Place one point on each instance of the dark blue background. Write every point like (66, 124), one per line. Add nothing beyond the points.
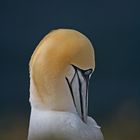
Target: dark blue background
(114, 29)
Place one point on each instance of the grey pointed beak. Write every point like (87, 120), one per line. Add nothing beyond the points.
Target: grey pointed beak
(78, 86)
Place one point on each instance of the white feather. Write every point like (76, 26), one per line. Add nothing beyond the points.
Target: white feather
(54, 125)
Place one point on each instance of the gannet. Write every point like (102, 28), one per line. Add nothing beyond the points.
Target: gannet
(60, 69)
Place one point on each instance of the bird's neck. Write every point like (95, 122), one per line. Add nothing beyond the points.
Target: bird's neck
(58, 98)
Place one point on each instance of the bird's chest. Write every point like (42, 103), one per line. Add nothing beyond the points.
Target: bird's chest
(58, 126)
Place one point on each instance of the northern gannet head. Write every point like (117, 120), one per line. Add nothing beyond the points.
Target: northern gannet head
(60, 68)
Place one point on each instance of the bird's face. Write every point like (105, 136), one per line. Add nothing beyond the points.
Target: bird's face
(78, 82)
(60, 69)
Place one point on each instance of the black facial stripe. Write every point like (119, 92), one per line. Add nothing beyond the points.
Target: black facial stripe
(73, 76)
(71, 91)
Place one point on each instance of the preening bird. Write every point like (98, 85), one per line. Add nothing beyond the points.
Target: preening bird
(60, 69)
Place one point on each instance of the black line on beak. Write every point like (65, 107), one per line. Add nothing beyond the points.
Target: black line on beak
(80, 92)
(71, 91)
(81, 99)
(86, 75)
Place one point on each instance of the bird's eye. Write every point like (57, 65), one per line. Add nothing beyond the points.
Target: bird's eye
(88, 72)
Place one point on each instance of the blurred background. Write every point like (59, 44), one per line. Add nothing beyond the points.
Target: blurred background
(114, 29)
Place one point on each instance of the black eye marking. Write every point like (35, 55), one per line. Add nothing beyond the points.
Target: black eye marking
(86, 73)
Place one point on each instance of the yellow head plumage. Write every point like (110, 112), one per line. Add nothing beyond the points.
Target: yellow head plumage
(52, 58)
